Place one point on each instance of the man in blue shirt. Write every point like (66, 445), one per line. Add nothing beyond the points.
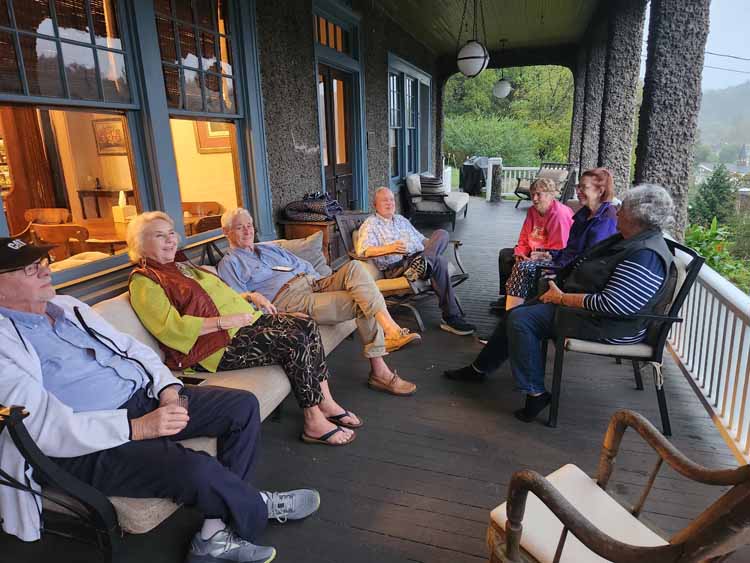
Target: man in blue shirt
(106, 410)
(290, 284)
(390, 238)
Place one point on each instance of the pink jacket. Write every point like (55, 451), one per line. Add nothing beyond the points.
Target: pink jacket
(549, 231)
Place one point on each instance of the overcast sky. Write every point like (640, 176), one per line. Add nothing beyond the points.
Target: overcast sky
(728, 35)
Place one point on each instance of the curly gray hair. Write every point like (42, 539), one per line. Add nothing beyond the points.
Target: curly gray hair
(650, 205)
(137, 230)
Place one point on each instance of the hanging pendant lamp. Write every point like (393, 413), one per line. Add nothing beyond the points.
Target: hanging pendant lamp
(502, 87)
(473, 57)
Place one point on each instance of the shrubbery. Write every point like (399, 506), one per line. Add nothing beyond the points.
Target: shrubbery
(487, 136)
(716, 197)
(715, 244)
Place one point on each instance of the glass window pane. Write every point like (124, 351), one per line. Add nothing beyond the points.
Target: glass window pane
(213, 95)
(163, 7)
(167, 47)
(184, 10)
(4, 15)
(10, 80)
(207, 161)
(229, 104)
(222, 16)
(208, 51)
(203, 10)
(393, 151)
(72, 20)
(188, 47)
(172, 85)
(79, 186)
(193, 98)
(339, 121)
(114, 77)
(424, 126)
(106, 29)
(80, 71)
(34, 15)
(226, 55)
(40, 62)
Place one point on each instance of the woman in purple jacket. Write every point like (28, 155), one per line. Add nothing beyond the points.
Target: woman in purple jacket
(593, 222)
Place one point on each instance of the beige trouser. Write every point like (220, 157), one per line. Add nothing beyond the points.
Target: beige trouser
(349, 293)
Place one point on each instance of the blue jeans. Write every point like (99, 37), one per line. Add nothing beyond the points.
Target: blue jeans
(519, 336)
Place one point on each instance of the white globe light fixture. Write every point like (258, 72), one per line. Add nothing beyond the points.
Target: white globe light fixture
(473, 57)
(502, 88)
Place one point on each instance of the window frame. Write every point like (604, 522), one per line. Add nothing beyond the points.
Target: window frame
(408, 72)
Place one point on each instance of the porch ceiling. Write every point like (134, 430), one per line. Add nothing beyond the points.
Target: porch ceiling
(523, 23)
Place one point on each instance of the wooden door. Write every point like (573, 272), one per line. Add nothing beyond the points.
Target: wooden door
(335, 116)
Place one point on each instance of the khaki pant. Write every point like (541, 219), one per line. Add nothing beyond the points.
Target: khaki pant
(349, 293)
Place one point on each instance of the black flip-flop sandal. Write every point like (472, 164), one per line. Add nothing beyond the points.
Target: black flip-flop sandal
(324, 438)
(338, 420)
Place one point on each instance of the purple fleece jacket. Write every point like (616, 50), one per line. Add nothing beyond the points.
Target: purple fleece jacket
(586, 233)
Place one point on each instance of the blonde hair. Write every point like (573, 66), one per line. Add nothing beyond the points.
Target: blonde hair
(227, 219)
(136, 229)
(544, 185)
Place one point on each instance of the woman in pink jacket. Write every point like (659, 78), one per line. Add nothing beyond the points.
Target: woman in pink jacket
(546, 227)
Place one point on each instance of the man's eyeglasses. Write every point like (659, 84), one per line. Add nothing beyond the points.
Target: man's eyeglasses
(31, 269)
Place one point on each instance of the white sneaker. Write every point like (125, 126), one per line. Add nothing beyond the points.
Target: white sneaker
(224, 546)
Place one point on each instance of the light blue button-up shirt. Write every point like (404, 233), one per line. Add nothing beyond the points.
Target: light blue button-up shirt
(79, 370)
(252, 270)
(379, 231)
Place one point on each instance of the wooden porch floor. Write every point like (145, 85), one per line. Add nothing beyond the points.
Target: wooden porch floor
(420, 480)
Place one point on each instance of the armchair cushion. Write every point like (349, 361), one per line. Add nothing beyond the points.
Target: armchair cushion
(310, 249)
(413, 185)
(542, 529)
(602, 349)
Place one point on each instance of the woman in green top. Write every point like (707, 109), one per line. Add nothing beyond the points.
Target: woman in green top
(202, 323)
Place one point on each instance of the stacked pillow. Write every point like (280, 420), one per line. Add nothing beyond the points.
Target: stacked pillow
(431, 185)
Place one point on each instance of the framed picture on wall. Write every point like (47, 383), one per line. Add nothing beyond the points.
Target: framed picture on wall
(110, 136)
(213, 136)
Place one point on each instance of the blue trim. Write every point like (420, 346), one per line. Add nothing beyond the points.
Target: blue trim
(44, 101)
(254, 135)
(398, 64)
(99, 267)
(158, 134)
(337, 13)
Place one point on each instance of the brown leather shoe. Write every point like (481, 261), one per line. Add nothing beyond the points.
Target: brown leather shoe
(406, 337)
(395, 386)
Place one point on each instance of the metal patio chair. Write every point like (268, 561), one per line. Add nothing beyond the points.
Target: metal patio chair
(571, 518)
(650, 351)
(398, 292)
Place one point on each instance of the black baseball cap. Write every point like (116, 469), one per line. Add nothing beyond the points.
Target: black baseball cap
(15, 253)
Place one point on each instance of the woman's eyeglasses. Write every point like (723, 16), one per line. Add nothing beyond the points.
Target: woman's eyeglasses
(31, 269)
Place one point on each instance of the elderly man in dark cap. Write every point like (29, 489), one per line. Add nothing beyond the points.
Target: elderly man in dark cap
(105, 408)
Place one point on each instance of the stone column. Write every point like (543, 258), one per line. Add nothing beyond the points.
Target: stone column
(620, 87)
(594, 93)
(576, 126)
(671, 98)
(439, 120)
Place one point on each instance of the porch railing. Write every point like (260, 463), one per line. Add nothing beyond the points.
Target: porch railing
(712, 348)
(511, 175)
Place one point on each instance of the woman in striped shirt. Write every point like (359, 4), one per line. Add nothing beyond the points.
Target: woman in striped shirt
(623, 275)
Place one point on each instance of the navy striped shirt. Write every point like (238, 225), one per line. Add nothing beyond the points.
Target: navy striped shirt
(633, 283)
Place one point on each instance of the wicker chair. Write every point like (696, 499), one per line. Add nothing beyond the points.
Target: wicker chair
(570, 518)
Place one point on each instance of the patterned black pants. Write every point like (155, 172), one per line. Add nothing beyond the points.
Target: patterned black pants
(286, 340)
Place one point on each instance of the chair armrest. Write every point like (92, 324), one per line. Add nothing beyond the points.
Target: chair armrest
(523, 482)
(562, 310)
(100, 509)
(624, 419)
(433, 197)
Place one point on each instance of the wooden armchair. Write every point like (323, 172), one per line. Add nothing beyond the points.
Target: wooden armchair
(570, 518)
(398, 292)
(201, 208)
(563, 173)
(207, 223)
(650, 351)
(69, 238)
(47, 215)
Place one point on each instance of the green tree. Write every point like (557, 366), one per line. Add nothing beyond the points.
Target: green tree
(467, 136)
(703, 153)
(729, 153)
(715, 199)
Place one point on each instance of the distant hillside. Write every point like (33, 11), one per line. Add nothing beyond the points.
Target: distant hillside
(725, 115)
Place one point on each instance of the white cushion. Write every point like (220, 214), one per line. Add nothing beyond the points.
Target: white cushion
(118, 312)
(457, 201)
(542, 529)
(602, 349)
(413, 184)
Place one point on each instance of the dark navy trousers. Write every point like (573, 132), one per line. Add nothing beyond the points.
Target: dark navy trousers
(218, 487)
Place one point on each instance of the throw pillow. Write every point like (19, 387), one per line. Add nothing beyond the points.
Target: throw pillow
(310, 249)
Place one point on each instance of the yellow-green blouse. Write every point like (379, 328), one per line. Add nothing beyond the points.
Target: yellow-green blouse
(180, 332)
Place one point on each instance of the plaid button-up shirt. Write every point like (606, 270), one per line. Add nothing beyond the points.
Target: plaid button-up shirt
(379, 231)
